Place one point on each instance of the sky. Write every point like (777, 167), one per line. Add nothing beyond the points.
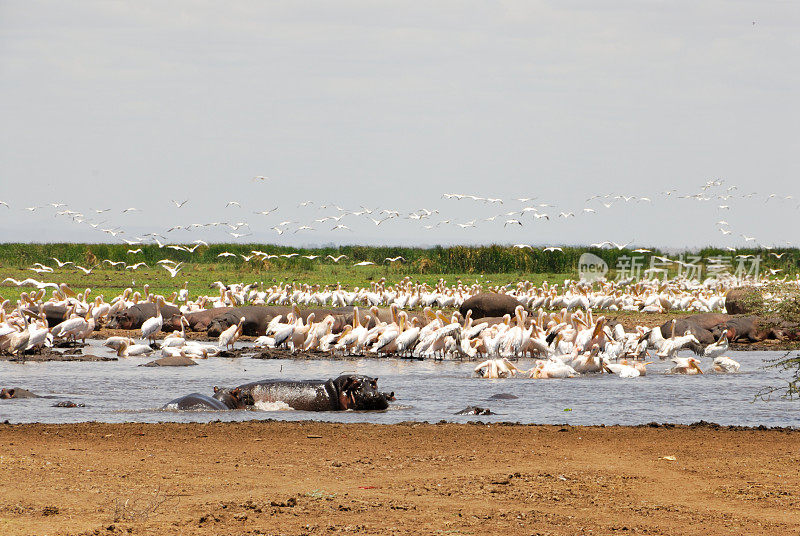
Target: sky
(389, 106)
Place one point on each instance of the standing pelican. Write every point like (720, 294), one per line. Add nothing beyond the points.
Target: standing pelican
(19, 341)
(229, 336)
(151, 326)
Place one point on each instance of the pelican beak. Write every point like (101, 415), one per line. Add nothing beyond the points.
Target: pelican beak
(68, 291)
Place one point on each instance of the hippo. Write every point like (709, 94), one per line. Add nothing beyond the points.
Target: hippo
(255, 317)
(475, 410)
(490, 304)
(349, 391)
(171, 361)
(68, 404)
(743, 300)
(223, 399)
(755, 329)
(503, 396)
(198, 320)
(16, 393)
(134, 316)
(55, 314)
(706, 327)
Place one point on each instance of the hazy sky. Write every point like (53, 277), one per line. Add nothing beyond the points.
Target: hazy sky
(390, 105)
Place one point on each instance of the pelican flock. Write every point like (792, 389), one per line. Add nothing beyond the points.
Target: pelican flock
(557, 325)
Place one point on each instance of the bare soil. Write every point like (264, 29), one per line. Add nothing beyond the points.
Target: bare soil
(297, 478)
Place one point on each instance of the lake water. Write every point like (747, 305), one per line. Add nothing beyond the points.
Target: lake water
(121, 391)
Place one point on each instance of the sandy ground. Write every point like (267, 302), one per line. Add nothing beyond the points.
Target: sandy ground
(321, 478)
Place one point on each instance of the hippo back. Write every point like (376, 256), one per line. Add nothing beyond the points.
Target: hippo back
(304, 395)
(490, 304)
(195, 402)
(134, 316)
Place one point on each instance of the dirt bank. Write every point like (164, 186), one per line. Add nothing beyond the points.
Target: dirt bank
(317, 478)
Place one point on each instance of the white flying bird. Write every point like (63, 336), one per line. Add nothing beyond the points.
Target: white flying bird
(172, 271)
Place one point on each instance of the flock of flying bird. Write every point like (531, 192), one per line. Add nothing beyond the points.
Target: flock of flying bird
(300, 218)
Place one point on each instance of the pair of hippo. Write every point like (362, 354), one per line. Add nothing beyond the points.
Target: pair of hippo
(349, 391)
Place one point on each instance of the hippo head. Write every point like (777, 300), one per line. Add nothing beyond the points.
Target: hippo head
(16, 393)
(233, 398)
(121, 320)
(173, 324)
(218, 325)
(361, 392)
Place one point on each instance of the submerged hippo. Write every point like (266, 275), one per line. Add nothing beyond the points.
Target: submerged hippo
(16, 393)
(349, 391)
(134, 316)
(223, 399)
(475, 410)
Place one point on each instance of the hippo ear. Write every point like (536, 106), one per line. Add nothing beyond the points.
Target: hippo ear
(351, 383)
(216, 389)
(11, 393)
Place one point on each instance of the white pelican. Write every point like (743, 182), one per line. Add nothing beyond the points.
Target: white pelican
(552, 369)
(725, 365)
(40, 336)
(18, 341)
(624, 370)
(151, 326)
(127, 350)
(671, 346)
(71, 327)
(497, 368)
(116, 342)
(718, 348)
(229, 336)
(172, 271)
(176, 338)
(685, 365)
